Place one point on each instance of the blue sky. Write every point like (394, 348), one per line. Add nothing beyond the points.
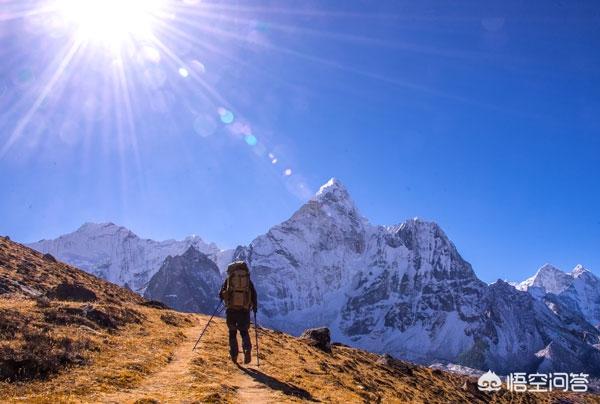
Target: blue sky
(482, 117)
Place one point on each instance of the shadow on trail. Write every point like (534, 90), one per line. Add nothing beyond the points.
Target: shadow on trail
(271, 382)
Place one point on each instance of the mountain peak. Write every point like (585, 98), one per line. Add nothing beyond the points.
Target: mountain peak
(549, 278)
(91, 227)
(578, 271)
(333, 186)
(334, 194)
(191, 251)
(419, 225)
(549, 269)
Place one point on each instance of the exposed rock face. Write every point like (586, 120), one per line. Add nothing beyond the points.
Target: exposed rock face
(188, 282)
(116, 254)
(318, 337)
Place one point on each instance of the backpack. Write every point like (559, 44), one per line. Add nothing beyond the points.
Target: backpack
(237, 291)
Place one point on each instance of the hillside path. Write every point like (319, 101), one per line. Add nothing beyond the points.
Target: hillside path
(171, 382)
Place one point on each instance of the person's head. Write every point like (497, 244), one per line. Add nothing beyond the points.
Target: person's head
(237, 265)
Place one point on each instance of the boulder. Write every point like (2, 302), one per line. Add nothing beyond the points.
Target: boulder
(391, 363)
(318, 337)
(155, 304)
(49, 257)
(99, 317)
(72, 291)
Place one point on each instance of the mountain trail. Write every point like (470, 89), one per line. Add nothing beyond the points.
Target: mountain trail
(251, 391)
(173, 382)
(168, 382)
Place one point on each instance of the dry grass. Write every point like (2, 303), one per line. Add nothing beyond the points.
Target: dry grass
(115, 349)
(296, 371)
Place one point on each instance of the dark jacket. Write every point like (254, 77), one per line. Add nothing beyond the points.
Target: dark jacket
(253, 297)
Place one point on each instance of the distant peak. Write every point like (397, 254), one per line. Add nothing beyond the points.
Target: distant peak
(578, 271)
(418, 223)
(333, 185)
(549, 268)
(95, 226)
(191, 251)
(549, 278)
(501, 284)
(103, 228)
(333, 192)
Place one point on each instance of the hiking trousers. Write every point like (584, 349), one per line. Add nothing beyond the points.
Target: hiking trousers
(238, 320)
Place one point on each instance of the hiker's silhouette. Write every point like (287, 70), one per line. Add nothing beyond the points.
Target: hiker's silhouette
(239, 296)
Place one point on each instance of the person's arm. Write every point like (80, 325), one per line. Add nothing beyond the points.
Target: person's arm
(253, 297)
(222, 291)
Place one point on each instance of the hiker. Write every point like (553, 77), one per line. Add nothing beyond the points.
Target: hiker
(239, 296)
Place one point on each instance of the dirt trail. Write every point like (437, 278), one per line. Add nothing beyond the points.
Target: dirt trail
(171, 383)
(250, 391)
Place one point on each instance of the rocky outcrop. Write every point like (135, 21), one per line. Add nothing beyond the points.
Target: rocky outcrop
(189, 282)
(49, 257)
(72, 291)
(318, 337)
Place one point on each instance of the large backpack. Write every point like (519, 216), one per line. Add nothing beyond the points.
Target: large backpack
(237, 292)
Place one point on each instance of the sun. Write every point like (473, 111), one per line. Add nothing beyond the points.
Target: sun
(112, 22)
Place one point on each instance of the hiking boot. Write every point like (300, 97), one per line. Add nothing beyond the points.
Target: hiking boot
(247, 356)
(233, 357)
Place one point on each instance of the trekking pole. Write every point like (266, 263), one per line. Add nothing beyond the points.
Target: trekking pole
(256, 335)
(207, 324)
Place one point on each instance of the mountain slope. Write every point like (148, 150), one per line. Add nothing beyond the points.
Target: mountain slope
(187, 282)
(146, 353)
(118, 255)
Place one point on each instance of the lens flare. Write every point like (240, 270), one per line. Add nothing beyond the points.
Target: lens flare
(183, 72)
(198, 66)
(111, 21)
(205, 125)
(226, 115)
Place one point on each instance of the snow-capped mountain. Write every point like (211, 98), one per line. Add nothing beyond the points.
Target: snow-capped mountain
(118, 255)
(579, 289)
(403, 290)
(548, 279)
(187, 282)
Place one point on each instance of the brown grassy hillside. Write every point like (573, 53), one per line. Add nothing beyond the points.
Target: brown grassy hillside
(63, 344)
